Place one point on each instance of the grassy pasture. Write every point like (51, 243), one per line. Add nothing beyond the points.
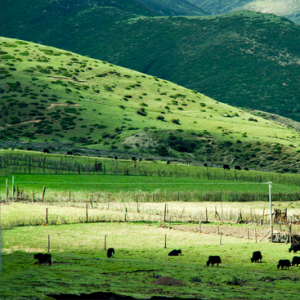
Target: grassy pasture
(29, 214)
(118, 188)
(80, 265)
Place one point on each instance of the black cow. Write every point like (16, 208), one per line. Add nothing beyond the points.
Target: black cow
(246, 169)
(110, 252)
(284, 263)
(133, 158)
(226, 167)
(214, 260)
(174, 252)
(69, 153)
(29, 149)
(295, 248)
(237, 168)
(168, 162)
(256, 256)
(205, 165)
(46, 151)
(296, 261)
(140, 159)
(43, 258)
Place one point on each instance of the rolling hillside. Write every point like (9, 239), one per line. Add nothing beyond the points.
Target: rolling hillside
(289, 9)
(245, 59)
(218, 7)
(175, 8)
(57, 96)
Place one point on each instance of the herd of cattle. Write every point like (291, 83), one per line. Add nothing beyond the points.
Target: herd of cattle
(212, 260)
(225, 167)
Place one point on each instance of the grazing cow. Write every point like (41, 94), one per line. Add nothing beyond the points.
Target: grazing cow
(133, 158)
(46, 151)
(214, 260)
(140, 159)
(168, 162)
(237, 168)
(69, 153)
(284, 263)
(29, 149)
(256, 256)
(295, 248)
(226, 167)
(205, 165)
(110, 252)
(116, 157)
(174, 252)
(43, 258)
(246, 169)
(98, 166)
(296, 261)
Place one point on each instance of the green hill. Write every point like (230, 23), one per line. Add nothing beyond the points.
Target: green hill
(245, 59)
(57, 96)
(289, 9)
(218, 7)
(175, 8)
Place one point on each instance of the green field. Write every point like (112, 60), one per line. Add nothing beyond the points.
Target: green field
(80, 265)
(144, 188)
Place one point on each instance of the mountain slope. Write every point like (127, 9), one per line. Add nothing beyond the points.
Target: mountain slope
(218, 7)
(175, 8)
(246, 59)
(54, 95)
(289, 9)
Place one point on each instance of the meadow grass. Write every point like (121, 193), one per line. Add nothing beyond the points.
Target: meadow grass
(80, 264)
(34, 214)
(86, 187)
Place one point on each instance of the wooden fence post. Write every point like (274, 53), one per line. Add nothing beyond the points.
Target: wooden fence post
(87, 213)
(43, 193)
(6, 194)
(13, 188)
(290, 232)
(47, 221)
(206, 216)
(48, 243)
(169, 222)
(165, 241)
(165, 212)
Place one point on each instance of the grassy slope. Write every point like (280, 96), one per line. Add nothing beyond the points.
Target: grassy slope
(99, 108)
(175, 8)
(80, 265)
(217, 7)
(286, 8)
(238, 59)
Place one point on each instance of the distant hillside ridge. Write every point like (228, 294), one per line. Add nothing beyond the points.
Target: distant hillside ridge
(175, 8)
(54, 97)
(245, 59)
(289, 9)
